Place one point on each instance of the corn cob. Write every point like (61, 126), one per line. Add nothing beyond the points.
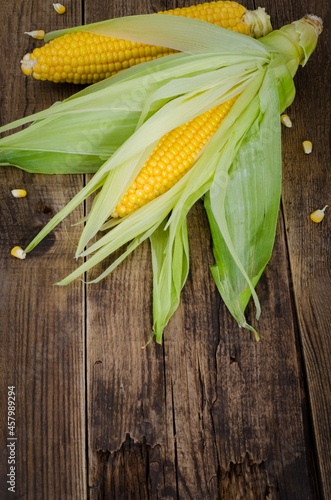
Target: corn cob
(173, 156)
(84, 57)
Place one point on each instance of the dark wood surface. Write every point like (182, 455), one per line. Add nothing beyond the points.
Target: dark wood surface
(209, 413)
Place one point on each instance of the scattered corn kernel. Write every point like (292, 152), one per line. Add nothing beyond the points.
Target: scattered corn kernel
(18, 253)
(38, 35)
(307, 147)
(286, 121)
(60, 9)
(18, 193)
(318, 215)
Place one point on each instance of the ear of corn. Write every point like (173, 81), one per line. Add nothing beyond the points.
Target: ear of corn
(172, 157)
(241, 198)
(79, 134)
(85, 57)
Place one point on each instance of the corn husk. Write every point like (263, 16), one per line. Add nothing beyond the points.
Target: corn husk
(239, 171)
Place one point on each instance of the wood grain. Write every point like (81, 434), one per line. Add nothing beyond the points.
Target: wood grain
(306, 187)
(130, 442)
(234, 399)
(42, 326)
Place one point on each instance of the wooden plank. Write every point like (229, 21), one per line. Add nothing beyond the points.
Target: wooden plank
(130, 442)
(42, 327)
(237, 404)
(305, 188)
(210, 414)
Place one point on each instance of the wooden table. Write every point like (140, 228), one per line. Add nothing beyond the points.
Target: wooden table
(210, 413)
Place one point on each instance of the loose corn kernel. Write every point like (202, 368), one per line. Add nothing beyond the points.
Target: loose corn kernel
(158, 174)
(38, 35)
(18, 252)
(60, 9)
(107, 56)
(318, 215)
(18, 193)
(286, 121)
(307, 147)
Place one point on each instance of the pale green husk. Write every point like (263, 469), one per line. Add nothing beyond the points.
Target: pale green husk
(242, 205)
(239, 170)
(170, 258)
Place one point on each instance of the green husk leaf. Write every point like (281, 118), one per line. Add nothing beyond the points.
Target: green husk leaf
(296, 41)
(95, 183)
(242, 205)
(130, 248)
(184, 34)
(170, 259)
(308, 28)
(133, 226)
(77, 135)
(218, 147)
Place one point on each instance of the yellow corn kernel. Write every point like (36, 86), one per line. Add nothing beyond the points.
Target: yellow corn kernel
(60, 9)
(38, 35)
(286, 121)
(172, 157)
(18, 193)
(216, 13)
(27, 71)
(110, 55)
(307, 147)
(18, 252)
(318, 215)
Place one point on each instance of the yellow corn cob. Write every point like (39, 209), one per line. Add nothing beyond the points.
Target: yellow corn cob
(173, 156)
(84, 57)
